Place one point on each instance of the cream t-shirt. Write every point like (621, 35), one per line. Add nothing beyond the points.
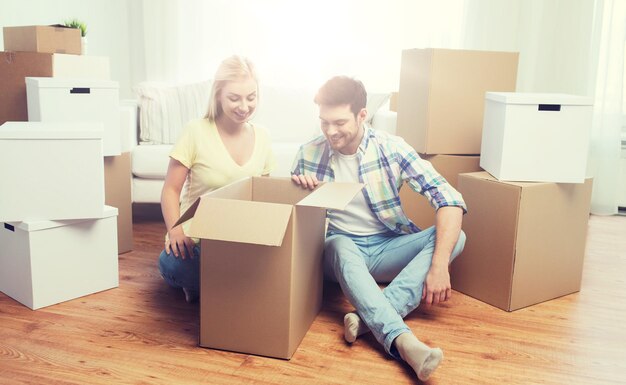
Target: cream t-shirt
(201, 150)
(357, 218)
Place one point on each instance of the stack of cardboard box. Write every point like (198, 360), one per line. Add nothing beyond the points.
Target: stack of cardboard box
(527, 216)
(52, 53)
(440, 111)
(59, 238)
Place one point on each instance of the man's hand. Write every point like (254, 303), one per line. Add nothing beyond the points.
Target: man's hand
(305, 181)
(437, 286)
(178, 243)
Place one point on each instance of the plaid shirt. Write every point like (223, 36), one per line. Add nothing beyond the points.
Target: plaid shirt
(385, 163)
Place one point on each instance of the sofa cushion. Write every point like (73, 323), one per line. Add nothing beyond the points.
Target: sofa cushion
(147, 190)
(150, 161)
(165, 110)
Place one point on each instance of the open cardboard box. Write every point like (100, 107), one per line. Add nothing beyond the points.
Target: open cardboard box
(261, 274)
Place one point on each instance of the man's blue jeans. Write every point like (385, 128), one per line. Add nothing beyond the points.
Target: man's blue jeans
(178, 272)
(359, 262)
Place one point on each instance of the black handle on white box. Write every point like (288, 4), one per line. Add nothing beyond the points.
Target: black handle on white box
(80, 90)
(9, 227)
(549, 107)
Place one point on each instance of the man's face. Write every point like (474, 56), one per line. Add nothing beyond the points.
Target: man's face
(342, 129)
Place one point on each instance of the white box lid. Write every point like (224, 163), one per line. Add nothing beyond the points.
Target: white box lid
(35, 225)
(538, 98)
(51, 130)
(46, 82)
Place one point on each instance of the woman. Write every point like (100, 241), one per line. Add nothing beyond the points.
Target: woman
(211, 152)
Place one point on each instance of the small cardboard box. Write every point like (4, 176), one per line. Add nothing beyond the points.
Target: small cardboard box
(46, 262)
(16, 66)
(51, 171)
(416, 206)
(42, 38)
(261, 276)
(117, 181)
(525, 241)
(556, 127)
(442, 93)
(77, 100)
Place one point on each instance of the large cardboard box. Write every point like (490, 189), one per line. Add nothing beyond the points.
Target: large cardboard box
(51, 171)
(46, 262)
(77, 100)
(42, 38)
(16, 66)
(117, 181)
(261, 262)
(416, 206)
(525, 241)
(536, 137)
(441, 96)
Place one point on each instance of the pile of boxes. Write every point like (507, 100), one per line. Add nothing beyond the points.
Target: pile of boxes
(65, 206)
(527, 214)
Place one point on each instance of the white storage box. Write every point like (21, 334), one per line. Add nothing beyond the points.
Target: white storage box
(51, 171)
(46, 262)
(77, 100)
(81, 66)
(536, 137)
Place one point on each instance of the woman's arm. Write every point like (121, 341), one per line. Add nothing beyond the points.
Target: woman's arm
(179, 243)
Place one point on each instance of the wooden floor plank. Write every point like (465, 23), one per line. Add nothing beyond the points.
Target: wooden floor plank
(144, 333)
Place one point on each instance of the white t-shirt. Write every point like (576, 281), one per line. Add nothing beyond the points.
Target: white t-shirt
(357, 218)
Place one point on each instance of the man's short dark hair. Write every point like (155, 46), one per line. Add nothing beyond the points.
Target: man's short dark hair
(341, 90)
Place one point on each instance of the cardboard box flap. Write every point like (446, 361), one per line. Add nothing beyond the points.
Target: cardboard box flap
(189, 213)
(259, 223)
(335, 195)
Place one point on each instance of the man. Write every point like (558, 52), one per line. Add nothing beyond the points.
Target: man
(373, 241)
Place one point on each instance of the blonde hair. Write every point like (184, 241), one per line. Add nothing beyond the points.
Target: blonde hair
(233, 68)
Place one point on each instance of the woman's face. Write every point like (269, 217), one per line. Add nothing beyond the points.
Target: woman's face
(238, 99)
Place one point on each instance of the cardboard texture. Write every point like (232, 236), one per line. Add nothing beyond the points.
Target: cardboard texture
(393, 102)
(557, 127)
(61, 162)
(261, 262)
(42, 38)
(525, 241)
(77, 100)
(441, 96)
(117, 193)
(416, 206)
(43, 263)
(16, 66)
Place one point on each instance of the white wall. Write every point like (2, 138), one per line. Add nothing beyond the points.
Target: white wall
(107, 27)
(292, 42)
(552, 36)
(296, 42)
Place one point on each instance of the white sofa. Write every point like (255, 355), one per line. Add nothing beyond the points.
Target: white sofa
(160, 113)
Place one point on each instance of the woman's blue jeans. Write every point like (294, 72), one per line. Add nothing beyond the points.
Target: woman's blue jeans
(359, 262)
(178, 272)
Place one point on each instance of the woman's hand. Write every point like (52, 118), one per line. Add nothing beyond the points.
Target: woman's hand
(178, 243)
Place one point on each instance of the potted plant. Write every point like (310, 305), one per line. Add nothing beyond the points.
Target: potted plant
(75, 23)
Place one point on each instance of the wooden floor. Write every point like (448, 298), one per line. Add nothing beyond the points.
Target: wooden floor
(144, 333)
